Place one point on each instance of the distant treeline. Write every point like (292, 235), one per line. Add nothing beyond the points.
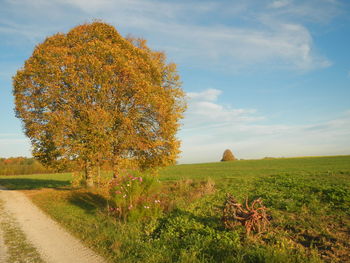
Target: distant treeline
(21, 165)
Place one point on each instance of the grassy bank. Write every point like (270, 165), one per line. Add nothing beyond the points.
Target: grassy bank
(308, 200)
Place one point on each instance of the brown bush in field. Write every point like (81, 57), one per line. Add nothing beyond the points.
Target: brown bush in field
(253, 217)
(228, 156)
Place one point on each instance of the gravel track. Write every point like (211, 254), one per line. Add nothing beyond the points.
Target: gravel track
(3, 249)
(54, 244)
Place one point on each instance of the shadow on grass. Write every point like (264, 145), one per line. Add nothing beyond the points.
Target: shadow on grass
(90, 202)
(31, 184)
(212, 221)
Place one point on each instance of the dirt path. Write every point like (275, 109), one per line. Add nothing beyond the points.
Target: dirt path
(3, 248)
(3, 252)
(53, 243)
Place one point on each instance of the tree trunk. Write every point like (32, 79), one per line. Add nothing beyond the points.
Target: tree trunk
(98, 175)
(88, 177)
(115, 170)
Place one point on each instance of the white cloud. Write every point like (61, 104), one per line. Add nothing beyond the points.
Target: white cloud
(253, 34)
(210, 128)
(206, 95)
(279, 3)
(316, 11)
(276, 43)
(205, 113)
(273, 38)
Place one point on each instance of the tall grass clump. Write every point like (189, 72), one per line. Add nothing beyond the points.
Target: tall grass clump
(134, 195)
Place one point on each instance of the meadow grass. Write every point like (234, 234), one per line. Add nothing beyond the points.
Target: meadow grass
(308, 200)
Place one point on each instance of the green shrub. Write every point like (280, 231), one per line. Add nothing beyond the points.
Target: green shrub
(134, 196)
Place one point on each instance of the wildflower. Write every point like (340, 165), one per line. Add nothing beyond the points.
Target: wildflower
(124, 196)
(128, 185)
(130, 207)
(157, 201)
(118, 192)
(114, 183)
(146, 206)
(140, 179)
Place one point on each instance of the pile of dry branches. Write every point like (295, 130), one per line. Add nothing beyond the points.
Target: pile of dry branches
(253, 217)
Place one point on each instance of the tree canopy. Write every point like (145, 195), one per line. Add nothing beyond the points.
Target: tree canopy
(91, 97)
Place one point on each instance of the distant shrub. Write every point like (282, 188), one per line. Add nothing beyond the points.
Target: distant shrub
(269, 158)
(21, 165)
(228, 156)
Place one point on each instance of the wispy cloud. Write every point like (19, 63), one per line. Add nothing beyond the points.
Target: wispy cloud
(215, 35)
(272, 35)
(288, 46)
(206, 95)
(204, 112)
(210, 129)
(280, 3)
(316, 11)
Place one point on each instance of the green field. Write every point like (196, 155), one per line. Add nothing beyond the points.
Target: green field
(308, 200)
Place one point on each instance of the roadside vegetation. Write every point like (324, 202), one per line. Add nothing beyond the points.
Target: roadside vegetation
(177, 217)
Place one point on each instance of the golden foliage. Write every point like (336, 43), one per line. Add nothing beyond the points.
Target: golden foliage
(91, 97)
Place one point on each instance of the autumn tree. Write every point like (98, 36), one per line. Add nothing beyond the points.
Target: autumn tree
(91, 97)
(228, 156)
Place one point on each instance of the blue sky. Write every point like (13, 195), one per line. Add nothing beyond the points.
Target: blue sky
(263, 77)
